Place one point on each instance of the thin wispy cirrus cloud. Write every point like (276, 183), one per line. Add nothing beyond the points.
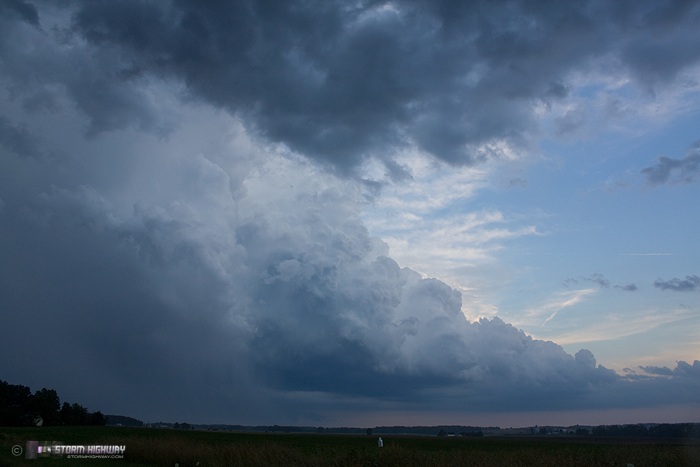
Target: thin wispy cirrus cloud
(315, 213)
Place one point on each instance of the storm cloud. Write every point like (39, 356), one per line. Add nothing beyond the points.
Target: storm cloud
(255, 288)
(342, 83)
(180, 210)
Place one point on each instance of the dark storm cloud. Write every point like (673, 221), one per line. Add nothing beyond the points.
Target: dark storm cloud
(686, 170)
(20, 9)
(689, 284)
(671, 49)
(17, 139)
(340, 82)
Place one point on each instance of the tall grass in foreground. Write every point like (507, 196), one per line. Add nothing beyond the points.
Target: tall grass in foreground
(197, 448)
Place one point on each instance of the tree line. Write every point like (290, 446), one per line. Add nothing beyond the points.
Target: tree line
(662, 430)
(19, 407)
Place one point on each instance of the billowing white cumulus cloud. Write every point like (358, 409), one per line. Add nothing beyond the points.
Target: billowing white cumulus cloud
(171, 247)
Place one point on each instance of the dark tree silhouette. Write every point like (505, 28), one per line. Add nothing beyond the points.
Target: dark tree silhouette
(14, 402)
(46, 404)
(97, 418)
(19, 407)
(74, 414)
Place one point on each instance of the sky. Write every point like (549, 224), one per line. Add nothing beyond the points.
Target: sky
(335, 213)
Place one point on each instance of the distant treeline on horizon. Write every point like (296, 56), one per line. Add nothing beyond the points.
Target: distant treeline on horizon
(651, 430)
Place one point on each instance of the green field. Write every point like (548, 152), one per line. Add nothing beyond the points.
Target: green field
(146, 446)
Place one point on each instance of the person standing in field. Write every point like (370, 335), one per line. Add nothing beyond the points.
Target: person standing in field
(380, 443)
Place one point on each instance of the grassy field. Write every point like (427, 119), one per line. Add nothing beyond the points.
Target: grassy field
(145, 446)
